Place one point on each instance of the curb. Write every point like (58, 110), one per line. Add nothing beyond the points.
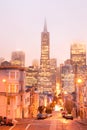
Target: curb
(81, 122)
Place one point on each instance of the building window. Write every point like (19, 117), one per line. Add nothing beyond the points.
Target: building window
(17, 75)
(8, 112)
(8, 100)
(21, 98)
(12, 75)
(13, 88)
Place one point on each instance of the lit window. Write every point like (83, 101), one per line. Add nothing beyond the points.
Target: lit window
(13, 88)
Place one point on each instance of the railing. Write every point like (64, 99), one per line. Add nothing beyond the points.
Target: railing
(8, 94)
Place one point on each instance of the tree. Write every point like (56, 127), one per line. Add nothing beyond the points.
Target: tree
(52, 105)
(41, 109)
(68, 105)
(48, 110)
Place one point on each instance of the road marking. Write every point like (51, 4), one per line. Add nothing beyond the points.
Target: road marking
(27, 126)
(12, 127)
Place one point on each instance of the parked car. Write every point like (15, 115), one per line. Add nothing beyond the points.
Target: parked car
(6, 121)
(41, 116)
(68, 116)
(49, 115)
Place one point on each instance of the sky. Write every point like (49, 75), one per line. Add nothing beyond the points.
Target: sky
(22, 21)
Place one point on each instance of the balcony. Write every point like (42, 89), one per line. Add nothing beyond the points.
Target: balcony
(9, 94)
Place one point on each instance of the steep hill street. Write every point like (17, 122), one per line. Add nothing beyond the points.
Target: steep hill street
(56, 122)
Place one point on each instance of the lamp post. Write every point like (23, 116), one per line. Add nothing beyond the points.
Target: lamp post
(80, 97)
(6, 90)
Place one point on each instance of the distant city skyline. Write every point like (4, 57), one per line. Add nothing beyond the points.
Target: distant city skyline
(22, 22)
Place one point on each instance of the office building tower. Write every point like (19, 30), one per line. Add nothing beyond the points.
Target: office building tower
(53, 71)
(78, 54)
(18, 58)
(31, 76)
(67, 78)
(44, 82)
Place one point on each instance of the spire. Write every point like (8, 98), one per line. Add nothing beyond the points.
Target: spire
(45, 25)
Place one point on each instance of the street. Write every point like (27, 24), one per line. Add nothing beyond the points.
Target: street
(56, 122)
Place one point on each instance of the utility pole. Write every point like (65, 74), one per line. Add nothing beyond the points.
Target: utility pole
(75, 80)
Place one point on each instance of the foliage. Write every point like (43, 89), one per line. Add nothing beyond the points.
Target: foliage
(68, 106)
(41, 109)
(52, 105)
(48, 110)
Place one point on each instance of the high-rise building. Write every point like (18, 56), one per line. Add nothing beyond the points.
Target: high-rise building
(44, 82)
(78, 61)
(31, 76)
(18, 58)
(67, 78)
(53, 70)
(45, 48)
(78, 54)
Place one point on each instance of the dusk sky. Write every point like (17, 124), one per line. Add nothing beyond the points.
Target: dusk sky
(22, 21)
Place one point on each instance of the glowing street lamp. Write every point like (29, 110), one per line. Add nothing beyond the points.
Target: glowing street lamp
(5, 82)
(65, 92)
(79, 94)
(79, 81)
(79, 88)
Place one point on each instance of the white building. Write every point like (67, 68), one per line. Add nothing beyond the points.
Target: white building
(14, 100)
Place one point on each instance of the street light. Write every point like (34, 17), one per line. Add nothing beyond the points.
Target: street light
(6, 90)
(4, 80)
(80, 96)
(79, 81)
(79, 88)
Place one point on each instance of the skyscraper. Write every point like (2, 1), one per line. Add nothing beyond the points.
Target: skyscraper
(44, 73)
(18, 58)
(78, 54)
(45, 48)
(78, 60)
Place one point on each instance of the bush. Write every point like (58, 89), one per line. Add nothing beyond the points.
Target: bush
(48, 110)
(41, 109)
(68, 106)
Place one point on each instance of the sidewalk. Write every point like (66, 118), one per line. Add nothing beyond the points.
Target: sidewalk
(81, 121)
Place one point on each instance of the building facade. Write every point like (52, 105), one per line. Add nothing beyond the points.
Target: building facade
(44, 83)
(78, 60)
(53, 71)
(31, 76)
(78, 54)
(67, 78)
(18, 58)
(14, 99)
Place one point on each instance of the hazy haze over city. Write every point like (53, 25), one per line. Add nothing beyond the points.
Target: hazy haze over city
(22, 21)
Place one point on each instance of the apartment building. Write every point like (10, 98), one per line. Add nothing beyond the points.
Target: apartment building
(14, 99)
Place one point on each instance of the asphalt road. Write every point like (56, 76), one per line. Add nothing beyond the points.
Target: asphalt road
(56, 122)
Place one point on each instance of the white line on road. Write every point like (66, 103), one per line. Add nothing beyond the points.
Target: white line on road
(27, 126)
(12, 127)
